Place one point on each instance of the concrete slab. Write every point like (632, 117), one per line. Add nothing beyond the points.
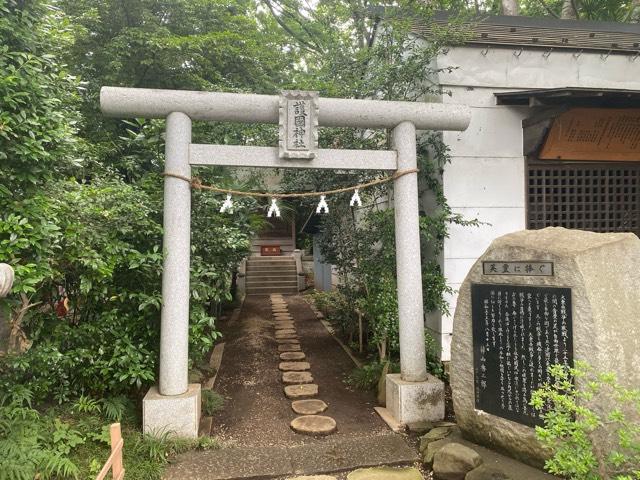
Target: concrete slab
(330, 455)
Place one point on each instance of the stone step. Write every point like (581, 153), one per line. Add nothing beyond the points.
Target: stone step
(273, 283)
(267, 260)
(271, 271)
(272, 264)
(268, 290)
(272, 278)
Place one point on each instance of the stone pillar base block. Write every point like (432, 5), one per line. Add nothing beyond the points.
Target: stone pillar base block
(179, 415)
(411, 402)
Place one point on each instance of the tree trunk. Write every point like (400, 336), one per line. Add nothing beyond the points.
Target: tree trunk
(18, 342)
(569, 10)
(510, 7)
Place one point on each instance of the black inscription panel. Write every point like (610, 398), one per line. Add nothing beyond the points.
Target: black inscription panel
(518, 333)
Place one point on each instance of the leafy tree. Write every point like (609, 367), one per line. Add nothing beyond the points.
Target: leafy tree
(85, 236)
(372, 55)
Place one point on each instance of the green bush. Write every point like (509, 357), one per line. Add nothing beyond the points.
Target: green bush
(591, 424)
(367, 377)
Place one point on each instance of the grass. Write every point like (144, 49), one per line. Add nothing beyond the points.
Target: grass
(212, 402)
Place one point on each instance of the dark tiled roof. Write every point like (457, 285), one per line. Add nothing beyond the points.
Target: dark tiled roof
(543, 33)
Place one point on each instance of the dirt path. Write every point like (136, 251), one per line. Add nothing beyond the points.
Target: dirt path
(256, 411)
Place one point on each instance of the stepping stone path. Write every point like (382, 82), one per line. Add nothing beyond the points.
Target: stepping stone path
(289, 347)
(294, 366)
(314, 425)
(309, 407)
(285, 332)
(296, 392)
(295, 378)
(290, 356)
(298, 381)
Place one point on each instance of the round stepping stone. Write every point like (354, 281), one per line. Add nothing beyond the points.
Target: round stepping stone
(285, 331)
(314, 425)
(285, 326)
(295, 392)
(288, 341)
(287, 336)
(291, 356)
(294, 366)
(309, 407)
(288, 347)
(296, 377)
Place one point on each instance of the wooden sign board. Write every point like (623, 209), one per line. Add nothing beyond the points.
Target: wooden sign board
(598, 134)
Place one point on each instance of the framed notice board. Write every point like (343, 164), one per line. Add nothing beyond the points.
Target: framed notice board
(518, 333)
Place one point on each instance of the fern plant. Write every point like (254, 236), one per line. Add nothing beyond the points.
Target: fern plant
(33, 447)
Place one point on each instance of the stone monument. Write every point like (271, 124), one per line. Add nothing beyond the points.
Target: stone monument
(534, 299)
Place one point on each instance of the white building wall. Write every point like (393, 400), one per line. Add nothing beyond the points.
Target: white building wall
(486, 177)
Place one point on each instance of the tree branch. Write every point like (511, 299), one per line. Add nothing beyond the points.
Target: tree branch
(548, 8)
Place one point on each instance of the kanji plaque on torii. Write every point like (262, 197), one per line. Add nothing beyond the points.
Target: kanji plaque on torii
(298, 124)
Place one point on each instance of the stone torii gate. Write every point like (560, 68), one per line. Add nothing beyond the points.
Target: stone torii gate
(174, 406)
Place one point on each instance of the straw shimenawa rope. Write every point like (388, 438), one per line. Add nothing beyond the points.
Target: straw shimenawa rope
(198, 185)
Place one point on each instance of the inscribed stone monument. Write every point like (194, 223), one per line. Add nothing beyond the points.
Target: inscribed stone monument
(535, 299)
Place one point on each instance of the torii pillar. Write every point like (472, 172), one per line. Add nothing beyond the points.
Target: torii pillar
(174, 406)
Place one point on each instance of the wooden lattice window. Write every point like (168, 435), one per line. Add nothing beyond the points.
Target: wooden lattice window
(600, 197)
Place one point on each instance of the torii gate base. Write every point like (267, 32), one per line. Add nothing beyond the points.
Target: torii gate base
(174, 406)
